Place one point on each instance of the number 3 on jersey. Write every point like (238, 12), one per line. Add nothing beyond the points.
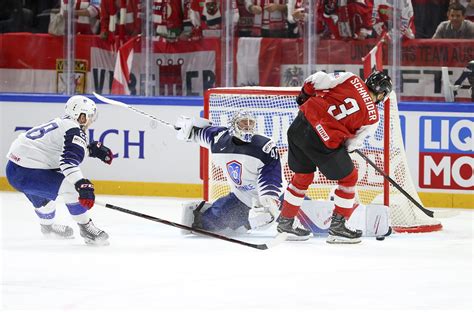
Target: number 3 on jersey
(341, 111)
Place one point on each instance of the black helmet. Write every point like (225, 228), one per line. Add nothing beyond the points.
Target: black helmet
(379, 83)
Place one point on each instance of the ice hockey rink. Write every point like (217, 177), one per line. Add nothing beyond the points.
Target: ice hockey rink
(150, 266)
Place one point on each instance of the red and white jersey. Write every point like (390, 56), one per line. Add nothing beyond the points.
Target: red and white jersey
(275, 20)
(350, 19)
(360, 17)
(207, 15)
(383, 12)
(87, 25)
(120, 17)
(340, 109)
(167, 15)
(245, 22)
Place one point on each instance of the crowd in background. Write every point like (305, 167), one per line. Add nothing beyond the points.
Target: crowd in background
(196, 19)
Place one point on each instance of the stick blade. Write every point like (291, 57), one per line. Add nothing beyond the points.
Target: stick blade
(281, 237)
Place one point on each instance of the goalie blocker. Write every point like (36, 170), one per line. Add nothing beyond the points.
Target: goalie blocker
(315, 215)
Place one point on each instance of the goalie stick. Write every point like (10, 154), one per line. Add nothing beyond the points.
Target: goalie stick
(429, 213)
(136, 110)
(278, 239)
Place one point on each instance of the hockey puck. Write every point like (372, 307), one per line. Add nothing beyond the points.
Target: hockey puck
(380, 238)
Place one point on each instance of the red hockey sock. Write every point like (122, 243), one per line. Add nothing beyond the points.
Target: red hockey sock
(295, 193)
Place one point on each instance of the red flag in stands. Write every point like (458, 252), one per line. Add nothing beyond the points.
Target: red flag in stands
(123, 67)
(373, 60)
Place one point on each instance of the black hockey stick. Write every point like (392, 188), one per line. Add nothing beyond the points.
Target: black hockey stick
(429, 213)
(278, 239)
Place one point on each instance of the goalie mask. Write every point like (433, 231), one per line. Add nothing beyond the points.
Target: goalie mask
(78, 105)
(379, 83)
(243, 126)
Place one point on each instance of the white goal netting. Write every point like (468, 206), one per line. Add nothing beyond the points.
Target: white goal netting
(275, 109)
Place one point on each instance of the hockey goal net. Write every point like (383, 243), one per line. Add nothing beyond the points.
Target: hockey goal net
(275, 109)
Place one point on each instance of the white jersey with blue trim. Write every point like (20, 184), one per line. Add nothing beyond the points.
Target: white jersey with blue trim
(252, 169)
(58, 145)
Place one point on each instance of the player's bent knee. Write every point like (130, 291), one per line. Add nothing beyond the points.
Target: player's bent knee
(302, 180)
(349, 180)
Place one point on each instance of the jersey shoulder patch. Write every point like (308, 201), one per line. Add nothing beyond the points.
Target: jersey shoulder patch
(79, 141)
(219, 135)
(268, 146)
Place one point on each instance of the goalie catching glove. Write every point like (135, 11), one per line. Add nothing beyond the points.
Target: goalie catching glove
(98, 150)
(185, 125)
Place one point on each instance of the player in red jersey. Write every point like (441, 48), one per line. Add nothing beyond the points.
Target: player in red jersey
(337, 112)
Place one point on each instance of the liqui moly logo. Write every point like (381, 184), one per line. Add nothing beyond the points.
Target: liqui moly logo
(446, 153)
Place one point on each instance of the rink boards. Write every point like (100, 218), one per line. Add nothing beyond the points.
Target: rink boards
(151, 161)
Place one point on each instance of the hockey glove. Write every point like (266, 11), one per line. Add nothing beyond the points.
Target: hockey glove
(185, 126)
(302, 97)
(85, 188)
(351, 146)
(98, 150)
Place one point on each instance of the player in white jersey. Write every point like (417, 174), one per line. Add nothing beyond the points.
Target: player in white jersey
(44, 163)
(252, 167)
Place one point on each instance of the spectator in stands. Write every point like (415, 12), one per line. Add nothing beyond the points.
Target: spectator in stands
(469, 5)
(382, 16)
(86, 15)
(168, 18)
(428, 14)
(14, 17)
(206, 18)
(41, 11)
(269, 17)
(296, 17)
(456, 27)
(346, 19)
(113, 12)
(245, 23)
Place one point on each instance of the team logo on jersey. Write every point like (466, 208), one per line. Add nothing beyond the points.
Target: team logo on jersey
(234, 169)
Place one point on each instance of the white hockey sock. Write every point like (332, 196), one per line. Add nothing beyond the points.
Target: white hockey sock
(81, 218)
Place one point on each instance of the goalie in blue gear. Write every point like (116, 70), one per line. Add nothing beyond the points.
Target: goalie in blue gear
(251, 165)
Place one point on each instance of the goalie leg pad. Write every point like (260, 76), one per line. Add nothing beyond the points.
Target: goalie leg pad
(372, 219)
(226, 212)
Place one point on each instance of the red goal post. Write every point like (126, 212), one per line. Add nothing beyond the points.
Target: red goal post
(275, 109)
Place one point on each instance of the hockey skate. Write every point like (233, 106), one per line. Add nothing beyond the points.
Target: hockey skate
(57, 230)
(340, 234)
(93, 235)
(295, 230)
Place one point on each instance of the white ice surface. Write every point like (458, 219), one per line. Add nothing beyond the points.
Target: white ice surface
(150, 266)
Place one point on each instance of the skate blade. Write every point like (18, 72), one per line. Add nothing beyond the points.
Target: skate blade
(56, 236)
(296, 238)
(342, 240)
(91, 242)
